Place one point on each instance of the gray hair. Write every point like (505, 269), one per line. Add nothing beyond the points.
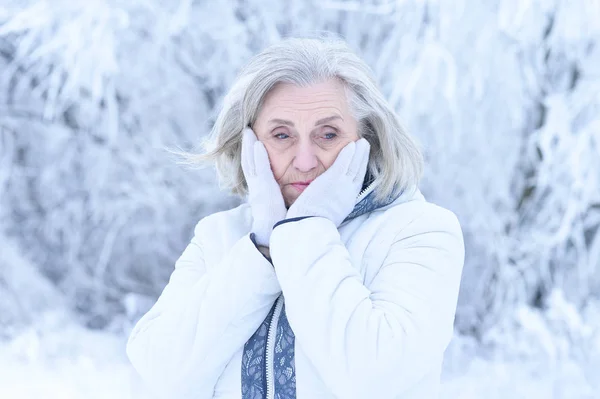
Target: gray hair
(395, 161)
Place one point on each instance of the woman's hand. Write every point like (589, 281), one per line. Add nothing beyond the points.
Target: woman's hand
(264, 194)
(333, 194)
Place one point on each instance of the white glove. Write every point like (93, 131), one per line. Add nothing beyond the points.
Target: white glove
(333, 194)
(264, 194)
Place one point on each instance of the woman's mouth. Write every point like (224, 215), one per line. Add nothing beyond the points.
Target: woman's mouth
(300, 186)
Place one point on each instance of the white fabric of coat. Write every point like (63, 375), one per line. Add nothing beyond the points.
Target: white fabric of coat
(371, 304)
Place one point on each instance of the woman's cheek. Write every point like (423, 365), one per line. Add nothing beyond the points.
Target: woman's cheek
(272, 158)
(278, 161)
(278, 167)
(328, 158)
(333, 154)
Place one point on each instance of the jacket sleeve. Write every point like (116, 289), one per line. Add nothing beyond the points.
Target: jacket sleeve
(380, 340)
(203, 316)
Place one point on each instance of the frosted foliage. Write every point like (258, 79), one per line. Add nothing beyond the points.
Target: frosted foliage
(503, 96)
(25, 293)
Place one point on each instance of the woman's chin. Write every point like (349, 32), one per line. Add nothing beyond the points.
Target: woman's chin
(289, 197)
(289, 202)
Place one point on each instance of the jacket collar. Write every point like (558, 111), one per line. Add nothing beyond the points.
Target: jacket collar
(367, 202)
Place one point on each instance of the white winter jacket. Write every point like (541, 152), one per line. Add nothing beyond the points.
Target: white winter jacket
(371, 305)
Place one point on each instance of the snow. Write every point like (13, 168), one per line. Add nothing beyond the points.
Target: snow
(60, 359)
(526, 356)
(529, 378)
(502, 95)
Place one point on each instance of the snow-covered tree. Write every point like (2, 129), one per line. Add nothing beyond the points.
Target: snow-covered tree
(502, 95)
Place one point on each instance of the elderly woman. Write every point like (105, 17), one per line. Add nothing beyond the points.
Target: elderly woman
(336, 278)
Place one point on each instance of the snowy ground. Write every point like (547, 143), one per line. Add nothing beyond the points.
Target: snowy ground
(63, 360)
(479, 377)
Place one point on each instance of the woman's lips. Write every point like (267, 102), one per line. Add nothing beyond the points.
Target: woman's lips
(299, 186)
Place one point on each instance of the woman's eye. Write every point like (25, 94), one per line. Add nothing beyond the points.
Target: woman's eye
(281, 136)
(330, 136)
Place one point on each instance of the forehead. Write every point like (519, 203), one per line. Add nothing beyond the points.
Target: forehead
(329, 95)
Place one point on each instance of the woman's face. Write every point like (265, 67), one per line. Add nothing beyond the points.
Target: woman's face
(303, 130)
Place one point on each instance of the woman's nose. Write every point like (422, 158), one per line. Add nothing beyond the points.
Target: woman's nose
(305, 158)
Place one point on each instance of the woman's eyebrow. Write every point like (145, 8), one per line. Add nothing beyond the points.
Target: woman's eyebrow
(317, 123)
(328, 119)
(281, 122)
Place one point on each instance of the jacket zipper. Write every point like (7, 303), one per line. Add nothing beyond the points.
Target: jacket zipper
(364, 192)
(271, 348)
(275, 321)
